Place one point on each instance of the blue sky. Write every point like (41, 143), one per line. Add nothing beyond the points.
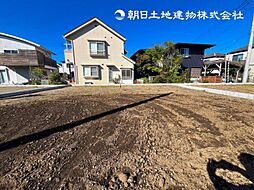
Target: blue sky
(46, 21)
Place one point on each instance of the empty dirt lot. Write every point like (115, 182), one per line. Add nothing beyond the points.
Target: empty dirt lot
(126, 138)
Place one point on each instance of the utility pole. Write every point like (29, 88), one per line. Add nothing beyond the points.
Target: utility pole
(248, 60)
(226, 80)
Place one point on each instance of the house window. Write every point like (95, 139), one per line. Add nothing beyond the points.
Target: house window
(126, 74)
(91, 71)
(11, 51)
(184, 51)
(237, 57)
(68, 45)
(97, 48)
(3, 76)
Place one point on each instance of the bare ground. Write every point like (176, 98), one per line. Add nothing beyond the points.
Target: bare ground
(126, 138)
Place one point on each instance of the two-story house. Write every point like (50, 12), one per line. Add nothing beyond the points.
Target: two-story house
(19, 56)
(98, 55)
(192, 57)
(236, 59)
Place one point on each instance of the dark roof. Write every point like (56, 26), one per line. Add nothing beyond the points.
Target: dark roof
(195, 61)
(187, 62)
(205, 46)
(242, 49)
(140, 51)
(214, 55)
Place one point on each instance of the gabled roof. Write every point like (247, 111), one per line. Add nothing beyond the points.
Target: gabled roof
(128, 59)
(242, 49)
(140, 51)
(68, 34)
(214, 55)
(26, 41)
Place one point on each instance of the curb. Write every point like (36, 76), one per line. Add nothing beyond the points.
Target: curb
(24, 92)
(221, 92)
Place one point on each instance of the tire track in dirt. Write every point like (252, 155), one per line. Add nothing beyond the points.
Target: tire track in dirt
(189, 114)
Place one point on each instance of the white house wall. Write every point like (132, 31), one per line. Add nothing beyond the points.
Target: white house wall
(229, 57)
(18, 75)
(12, 44)
(64, 69)
(214, 59)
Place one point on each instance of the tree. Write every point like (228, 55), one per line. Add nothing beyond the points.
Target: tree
(163, 62)
(55, 78)
(37, 75)
(38, 72)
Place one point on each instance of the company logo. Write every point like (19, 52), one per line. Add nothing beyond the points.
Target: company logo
(119, 14)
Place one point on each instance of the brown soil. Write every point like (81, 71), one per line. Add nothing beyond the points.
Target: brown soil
(126, 138)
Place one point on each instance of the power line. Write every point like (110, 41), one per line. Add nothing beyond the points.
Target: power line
(231, 43)
(243, 5)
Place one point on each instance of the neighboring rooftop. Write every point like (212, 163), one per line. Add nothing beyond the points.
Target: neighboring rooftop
(214, 55)
(134, 56)
(26, 41)
(242, 49)
(194, 44)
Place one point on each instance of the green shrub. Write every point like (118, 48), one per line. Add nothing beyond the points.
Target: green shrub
(56, 78)
(145, 80)
(38, 73)
(36, 82)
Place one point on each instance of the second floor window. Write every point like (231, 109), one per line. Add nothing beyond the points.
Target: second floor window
(11, 51)
(68, 45)
(97, 48)
(185, 51)
(237, 57)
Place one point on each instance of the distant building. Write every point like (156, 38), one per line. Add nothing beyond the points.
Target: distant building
(214, 64)
(19, 56)
(98, 55)
(236, 60)
(192, 57)
(66, 68)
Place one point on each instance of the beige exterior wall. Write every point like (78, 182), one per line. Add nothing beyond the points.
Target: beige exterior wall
(82, 57)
